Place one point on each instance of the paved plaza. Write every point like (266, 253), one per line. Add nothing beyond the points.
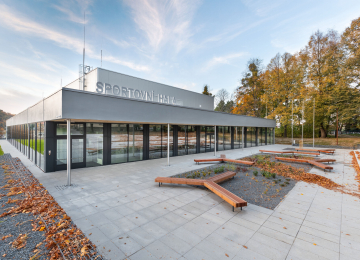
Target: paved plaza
(128, 216)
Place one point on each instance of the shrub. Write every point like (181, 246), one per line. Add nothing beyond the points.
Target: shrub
(255, 173)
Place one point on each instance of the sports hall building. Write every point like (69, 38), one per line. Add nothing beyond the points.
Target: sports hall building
(111, 118)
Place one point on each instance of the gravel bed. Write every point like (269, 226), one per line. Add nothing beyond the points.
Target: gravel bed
(15, 225)
(259, 190)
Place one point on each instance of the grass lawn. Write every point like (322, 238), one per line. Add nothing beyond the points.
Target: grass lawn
(1, 151)
(344, 140)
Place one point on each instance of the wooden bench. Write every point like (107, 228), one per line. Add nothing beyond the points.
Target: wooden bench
(212, 185)
(226, 195)
(330, 151)
(222, 177)
(196, 182)
(286, 152)
(325, 160)
(313, 162)
(223, 160)
(238, 161)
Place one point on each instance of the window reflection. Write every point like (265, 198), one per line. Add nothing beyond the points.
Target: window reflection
(94, 144)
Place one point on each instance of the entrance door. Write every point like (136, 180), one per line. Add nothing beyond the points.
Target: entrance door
(77, 153)
(209, 142)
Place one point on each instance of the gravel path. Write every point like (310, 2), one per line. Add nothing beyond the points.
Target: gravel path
(15, 225)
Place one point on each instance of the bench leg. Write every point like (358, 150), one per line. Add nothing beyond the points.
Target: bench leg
(240, 208)
(233, 208)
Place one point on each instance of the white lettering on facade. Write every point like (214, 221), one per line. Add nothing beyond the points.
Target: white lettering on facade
(106, 88)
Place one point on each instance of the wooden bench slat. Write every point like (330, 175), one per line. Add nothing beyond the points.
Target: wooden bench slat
(224, 160)
(226, 195)
(222, 177)
(313, 162)
(239, 161)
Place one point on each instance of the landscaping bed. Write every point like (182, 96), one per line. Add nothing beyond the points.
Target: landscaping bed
(33, 225)
(253, 184)
(17, 239)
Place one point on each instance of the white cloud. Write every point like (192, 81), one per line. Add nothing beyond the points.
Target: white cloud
(128, 64)
(76, 18)
(27, 26)
(222, 60)
(262, 7)
(163, 21)
(74, 10)
(24, 25)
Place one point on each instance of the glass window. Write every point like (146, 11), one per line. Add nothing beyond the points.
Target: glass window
(237, 137)
(40, 145)
(119, 143)
(94, 143)
(227, 137)
(182, 136)
(135, 142)
(77, 151)
(155, 141)
(61, 152)
(220, 137)
(186, 140)
(75, 129)
(202, 139)
(191, 139)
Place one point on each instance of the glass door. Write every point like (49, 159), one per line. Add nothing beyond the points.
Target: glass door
(77, 153)
(209, 142)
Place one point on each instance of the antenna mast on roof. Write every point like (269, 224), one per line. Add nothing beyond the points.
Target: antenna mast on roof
(83, 69)
(83, 85)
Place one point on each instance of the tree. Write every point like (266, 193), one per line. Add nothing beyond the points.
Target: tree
(350, 39)
(224, 104)
(280, 88)
(248, 94)
(207, 90)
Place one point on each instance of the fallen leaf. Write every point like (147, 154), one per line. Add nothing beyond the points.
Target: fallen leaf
(227, 255)
(84, 251)
(314, 244)
(284, 228)
(245, 247)
(42, 228)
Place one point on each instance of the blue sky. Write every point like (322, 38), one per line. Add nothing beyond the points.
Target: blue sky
(180, 43)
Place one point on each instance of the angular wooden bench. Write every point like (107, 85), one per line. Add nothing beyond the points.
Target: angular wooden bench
(196, 182)
(325, 160)
(286, 152)
(226, 195)
(223, 160)
(212, 185)
(222, 177)
(330, 151)
(313, 162)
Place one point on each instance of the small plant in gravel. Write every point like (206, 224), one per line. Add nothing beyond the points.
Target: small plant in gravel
(263, 173)
(288, 179)
(287, 182)
(204, 174)
(255, 173)
(273, 175)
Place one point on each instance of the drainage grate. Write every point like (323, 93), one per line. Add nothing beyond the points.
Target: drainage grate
(64, 187)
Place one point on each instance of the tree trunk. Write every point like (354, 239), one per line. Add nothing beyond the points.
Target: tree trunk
(323, 132)
(285, 131)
